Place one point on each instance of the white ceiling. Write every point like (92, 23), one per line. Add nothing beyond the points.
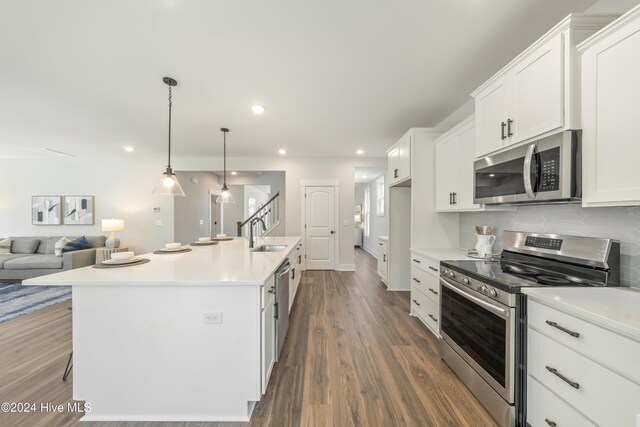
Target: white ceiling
(85, 76)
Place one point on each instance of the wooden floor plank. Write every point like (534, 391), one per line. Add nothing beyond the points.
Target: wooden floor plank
(353, 357)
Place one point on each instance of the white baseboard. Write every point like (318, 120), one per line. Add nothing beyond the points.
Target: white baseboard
(375, 255)
(346, 267)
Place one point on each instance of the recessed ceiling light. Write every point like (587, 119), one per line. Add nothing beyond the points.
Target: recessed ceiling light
(360, 152)
(234, 173)
(129, 149)
(282, 151)
(258, 109)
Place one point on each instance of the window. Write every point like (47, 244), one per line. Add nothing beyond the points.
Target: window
(380, 196)
(367, 211)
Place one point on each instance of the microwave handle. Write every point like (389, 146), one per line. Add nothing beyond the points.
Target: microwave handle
(526, 172)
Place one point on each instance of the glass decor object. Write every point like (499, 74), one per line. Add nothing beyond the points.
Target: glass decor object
(169, 184)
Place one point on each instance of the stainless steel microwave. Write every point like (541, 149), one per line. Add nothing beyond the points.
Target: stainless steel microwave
(548, 170)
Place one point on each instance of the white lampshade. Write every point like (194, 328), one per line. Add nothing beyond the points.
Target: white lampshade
(112, 224)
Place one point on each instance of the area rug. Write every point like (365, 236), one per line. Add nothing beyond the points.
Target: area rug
(17, 300)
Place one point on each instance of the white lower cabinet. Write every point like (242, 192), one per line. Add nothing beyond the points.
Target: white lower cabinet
(575, 375)
(383, 259)
(425, 291)
(268, 347)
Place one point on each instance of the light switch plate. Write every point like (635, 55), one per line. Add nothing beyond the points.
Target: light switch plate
(212, 317)
(201, 222)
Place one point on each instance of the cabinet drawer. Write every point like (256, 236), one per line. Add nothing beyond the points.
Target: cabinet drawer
(616, 352)
(545, 408)
(426, 264)
(427, 310)
(600, 394)
(426, 283)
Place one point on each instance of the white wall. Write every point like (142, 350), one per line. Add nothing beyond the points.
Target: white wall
(379, 224)
(190, 210)
(122, 189)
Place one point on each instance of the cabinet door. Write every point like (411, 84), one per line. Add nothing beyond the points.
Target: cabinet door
(392, 165)
(466, 140)
(610, 114)
(383, 261)
(268, 340)
(446, 172)
(404, 159)
(492, 106)
(538, 97)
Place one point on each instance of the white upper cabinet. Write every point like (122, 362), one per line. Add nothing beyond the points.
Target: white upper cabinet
(538, 93)
(610, 113)
(454, 168)
(399, 161)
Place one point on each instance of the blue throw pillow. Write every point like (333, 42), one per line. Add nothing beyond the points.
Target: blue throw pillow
(77, 244)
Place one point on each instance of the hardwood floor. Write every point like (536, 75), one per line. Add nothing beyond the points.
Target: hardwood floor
(353, 356)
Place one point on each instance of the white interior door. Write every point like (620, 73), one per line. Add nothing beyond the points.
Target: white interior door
(320, 228)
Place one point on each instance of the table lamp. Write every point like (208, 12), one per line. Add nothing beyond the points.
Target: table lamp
(112, 225)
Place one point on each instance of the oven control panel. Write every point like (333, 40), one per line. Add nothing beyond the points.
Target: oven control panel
(543, 243)
(549, 170)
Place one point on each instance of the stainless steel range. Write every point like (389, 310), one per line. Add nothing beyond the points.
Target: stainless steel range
(483, 311)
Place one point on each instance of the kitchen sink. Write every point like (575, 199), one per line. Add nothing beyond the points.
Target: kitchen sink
(269, 248)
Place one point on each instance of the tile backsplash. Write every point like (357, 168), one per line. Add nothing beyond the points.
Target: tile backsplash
(622, 224)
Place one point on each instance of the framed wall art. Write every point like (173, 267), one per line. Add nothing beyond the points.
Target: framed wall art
(78, 210)
(46, 210)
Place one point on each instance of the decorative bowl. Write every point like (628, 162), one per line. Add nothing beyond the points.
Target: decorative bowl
(172, 245)
(220, 236)
(122, 256)
(204, 239)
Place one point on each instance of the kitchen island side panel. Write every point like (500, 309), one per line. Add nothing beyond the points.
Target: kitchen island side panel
(143, 352)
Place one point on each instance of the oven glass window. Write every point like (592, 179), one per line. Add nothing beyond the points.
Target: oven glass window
(502, 179)
(480, 333)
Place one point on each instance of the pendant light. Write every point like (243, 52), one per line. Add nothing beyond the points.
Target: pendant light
(168, 184)
(225, 195)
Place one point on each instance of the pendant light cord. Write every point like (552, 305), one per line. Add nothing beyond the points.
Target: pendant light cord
(169, 161)
(225, 158)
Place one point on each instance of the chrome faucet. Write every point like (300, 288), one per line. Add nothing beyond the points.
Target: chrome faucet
(251, 224)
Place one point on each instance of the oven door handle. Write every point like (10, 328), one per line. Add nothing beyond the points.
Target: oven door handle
(490, 307)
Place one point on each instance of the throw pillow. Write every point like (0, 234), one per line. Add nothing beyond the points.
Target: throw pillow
(50, 247)
(60, 244)
(5, 246)
(24, 246)
(77, 245)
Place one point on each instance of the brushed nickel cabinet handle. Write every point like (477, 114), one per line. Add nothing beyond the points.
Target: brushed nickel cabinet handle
(433, 268)
(551, 423)
(432, 291)
(509, 133)
(416, 260)
(417, 303)
(565, 330)
(502, 126)
(416, 280)
(555, 372)
(434, 319)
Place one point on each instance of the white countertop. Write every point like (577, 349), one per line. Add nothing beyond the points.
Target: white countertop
(617, 309)
(220, 264)
(383, 238)
(443, 254)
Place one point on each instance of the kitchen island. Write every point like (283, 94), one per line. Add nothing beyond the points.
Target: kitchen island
(177, 339)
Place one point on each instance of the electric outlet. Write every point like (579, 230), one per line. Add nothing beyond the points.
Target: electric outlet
(201, 222)
(158, 222)
(214, 317)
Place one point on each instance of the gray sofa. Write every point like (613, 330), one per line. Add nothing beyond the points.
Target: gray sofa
(20, 266)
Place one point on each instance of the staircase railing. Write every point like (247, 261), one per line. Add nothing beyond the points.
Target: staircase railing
(269, 213)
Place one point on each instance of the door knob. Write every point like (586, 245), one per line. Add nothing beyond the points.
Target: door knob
(332, 231)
